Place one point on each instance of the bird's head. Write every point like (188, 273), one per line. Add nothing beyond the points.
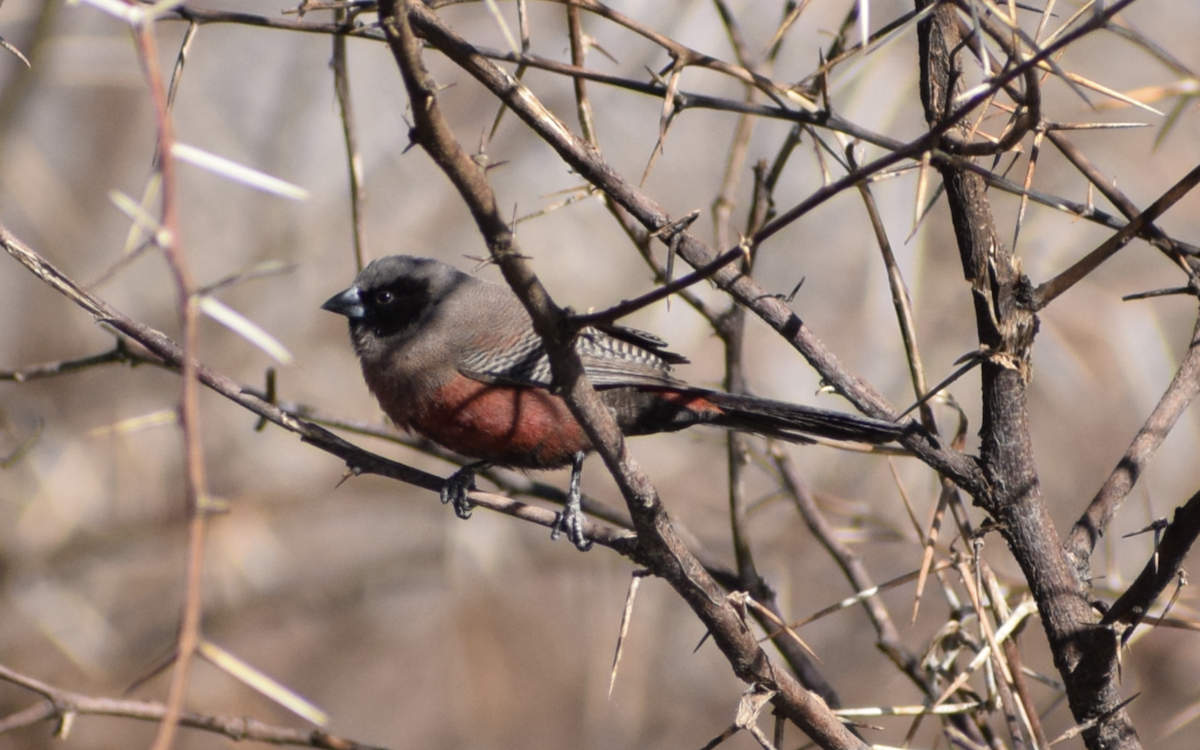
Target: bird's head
(393, 294)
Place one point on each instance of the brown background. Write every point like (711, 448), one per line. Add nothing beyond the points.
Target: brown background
(411, 628)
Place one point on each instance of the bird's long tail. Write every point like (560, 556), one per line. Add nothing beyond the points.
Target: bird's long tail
(795, 422)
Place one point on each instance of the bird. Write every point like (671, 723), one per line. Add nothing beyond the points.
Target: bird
(455, 358)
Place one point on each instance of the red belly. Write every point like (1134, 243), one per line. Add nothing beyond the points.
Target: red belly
(527, 428)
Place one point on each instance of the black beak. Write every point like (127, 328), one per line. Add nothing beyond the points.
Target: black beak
(348, 303)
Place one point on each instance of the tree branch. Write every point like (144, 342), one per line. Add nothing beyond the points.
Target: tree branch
(65, 705)
(1163, 567)
(1100, 511)
(659, 546)
(1006, 326)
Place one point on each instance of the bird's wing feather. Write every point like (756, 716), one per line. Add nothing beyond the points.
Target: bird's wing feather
(611, 361)
(608, 361)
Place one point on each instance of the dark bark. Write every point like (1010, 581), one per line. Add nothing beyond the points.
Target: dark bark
(1162, 568)
(1084, 654)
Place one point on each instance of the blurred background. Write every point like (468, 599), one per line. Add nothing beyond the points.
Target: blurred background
(408, 626)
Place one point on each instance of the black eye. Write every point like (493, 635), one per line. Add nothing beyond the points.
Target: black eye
(383, 298)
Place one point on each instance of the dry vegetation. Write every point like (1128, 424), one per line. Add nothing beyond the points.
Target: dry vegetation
(965, 192)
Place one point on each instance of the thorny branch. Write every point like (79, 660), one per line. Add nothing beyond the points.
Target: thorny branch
(685, 100)
(1100, 511)
(1164, 567)
(658, 543)
(64, 706)
(1006, 324)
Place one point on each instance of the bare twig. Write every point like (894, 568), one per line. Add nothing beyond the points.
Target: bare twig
(900, 299)
(189, 404)
(1163, 568)
(1046, 292)
(354, 163)
(628, 307)
(61, 704)
(1100, 511)
(118, 354)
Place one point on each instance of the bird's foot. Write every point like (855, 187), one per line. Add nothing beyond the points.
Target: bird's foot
(456, 487)
(570, 520)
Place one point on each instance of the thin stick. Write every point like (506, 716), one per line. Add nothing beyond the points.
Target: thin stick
(189, 404)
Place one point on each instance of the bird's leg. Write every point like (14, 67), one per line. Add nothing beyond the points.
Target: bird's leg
(571, 519)
(458, 484)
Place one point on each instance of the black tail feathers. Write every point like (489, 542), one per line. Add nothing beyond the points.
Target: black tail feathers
(797, 423)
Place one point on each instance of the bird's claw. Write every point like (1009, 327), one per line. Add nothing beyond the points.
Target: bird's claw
(456, 487)
(571, 518)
